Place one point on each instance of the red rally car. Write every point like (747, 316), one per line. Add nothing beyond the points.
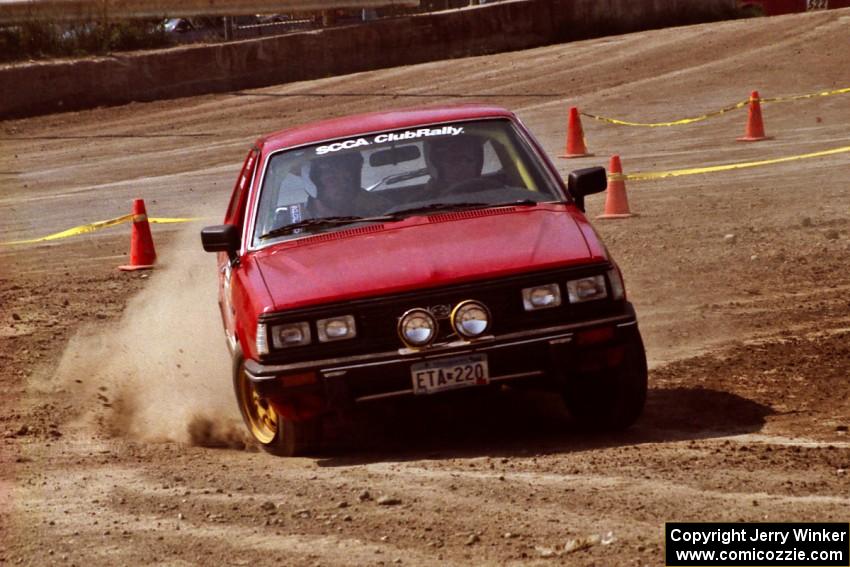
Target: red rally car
(416, 253)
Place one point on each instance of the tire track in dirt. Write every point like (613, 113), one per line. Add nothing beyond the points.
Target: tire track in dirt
(622, 485)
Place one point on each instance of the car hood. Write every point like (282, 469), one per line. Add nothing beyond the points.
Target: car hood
(423, 252)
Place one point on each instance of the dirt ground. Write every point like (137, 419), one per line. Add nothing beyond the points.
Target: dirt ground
(120, 442)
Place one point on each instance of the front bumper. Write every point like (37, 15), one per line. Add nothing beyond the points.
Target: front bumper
(549, 354)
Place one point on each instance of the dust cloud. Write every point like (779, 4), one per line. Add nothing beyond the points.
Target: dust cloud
(161, 373)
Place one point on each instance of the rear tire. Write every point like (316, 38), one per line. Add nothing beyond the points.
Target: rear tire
(273, 432)
(610, 400)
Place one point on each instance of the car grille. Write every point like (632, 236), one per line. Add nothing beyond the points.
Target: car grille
(377, 318)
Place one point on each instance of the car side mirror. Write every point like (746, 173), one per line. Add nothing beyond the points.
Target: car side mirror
(221, 238)
(584, 182)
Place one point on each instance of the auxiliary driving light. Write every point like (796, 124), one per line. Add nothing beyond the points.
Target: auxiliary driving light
(417, 328)
(470, 319)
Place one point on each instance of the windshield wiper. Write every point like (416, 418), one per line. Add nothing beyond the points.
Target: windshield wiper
(517, 203)
(322, 222)
(458, 206)
(437, 207)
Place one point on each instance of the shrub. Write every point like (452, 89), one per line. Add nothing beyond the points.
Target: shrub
(38, 40)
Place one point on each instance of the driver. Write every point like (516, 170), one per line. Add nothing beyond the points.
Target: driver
(453, 160)
(335, 181)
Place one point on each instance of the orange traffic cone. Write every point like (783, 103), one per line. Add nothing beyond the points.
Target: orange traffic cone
(142, 253)
(755, 125)
(616, 203)
(575, 137)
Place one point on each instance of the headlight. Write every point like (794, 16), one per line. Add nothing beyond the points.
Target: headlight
(417, 328)
(618, 289)
(470, 319)
(587, 289)
(541, 297)
(336, 328)
(290, 335)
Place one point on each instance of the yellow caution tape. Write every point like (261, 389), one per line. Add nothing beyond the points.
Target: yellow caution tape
(725, 167)
(91, 227)
(700, 118)
(804, 96)
(723, 110)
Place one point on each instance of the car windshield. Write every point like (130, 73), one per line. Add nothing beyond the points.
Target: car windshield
(395, 174)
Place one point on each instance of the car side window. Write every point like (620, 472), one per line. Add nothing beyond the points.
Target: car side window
(236, 208)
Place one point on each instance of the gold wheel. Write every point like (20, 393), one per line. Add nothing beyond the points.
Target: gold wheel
(259, 414)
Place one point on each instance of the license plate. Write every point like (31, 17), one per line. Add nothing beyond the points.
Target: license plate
(450, 373)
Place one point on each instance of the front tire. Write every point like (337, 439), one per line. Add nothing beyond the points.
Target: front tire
(610, 400)
(273, 432)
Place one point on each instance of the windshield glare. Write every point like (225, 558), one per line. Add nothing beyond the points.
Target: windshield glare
(388, 173)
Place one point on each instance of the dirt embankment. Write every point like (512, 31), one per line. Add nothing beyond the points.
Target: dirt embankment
(738, 279)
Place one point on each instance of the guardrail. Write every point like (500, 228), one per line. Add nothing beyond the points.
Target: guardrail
(18, 11)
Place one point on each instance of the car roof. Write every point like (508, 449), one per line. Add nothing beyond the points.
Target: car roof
(354, 125)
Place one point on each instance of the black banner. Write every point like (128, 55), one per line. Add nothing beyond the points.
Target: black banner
(757, 544)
